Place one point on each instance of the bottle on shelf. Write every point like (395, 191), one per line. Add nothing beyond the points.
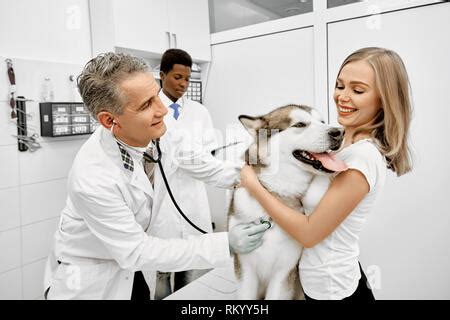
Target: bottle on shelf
(47, 94)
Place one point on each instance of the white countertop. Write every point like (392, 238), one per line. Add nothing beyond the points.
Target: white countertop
(218, 284)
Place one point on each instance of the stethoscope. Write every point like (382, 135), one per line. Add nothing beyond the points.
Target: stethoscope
(158, 149)
(213, 152)
(157, 160)
(150, 158)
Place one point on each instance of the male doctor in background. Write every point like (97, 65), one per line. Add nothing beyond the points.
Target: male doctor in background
(193, 121)
(105, 236)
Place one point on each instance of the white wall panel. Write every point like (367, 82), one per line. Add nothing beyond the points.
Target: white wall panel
(9, 208)
(7, 126)
(33, 280)
(11, 285)
(52, 161)
(30, 75)
(48, 38)
(9, 168)
(10, 249)
(37, 240)
(256, 75)
(55, 30)
(407, 236)
(42, 201)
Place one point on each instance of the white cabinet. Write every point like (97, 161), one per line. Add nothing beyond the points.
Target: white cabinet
(141, 25)
(150, 27)
(245, 77)
(189, 25)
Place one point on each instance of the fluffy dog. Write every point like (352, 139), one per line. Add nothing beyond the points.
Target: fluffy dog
(291, 145)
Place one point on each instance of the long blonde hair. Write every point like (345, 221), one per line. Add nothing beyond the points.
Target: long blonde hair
(391, 125)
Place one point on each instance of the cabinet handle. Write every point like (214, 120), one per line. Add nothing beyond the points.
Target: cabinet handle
(175, 40)
(169, 39)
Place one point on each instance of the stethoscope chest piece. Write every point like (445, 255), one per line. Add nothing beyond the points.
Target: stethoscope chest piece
(267, 221)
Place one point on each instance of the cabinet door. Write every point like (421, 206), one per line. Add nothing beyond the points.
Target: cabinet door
(248, 78)
(141, 25)
(189, 24)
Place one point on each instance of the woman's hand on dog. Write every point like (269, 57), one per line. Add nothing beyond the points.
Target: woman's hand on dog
(249, 179)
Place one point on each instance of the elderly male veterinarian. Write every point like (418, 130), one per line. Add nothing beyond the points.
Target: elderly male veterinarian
(104, 248)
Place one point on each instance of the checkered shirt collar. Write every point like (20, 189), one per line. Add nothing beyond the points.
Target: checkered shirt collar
(126, 158)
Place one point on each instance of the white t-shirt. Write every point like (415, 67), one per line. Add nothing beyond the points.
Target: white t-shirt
(330, 270)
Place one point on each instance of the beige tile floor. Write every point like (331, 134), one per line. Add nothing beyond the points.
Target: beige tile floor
(218, 284)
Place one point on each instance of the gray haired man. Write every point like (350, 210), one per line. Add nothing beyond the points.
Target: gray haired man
(104, 248)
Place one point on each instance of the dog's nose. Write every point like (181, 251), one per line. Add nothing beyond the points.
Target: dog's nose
(336, 133)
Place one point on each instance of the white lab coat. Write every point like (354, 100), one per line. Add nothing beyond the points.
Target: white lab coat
(106, 231)
(195, 125)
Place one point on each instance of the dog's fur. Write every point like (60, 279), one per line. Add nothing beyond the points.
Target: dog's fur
(270, 271)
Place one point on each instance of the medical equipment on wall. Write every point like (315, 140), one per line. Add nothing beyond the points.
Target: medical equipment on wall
(19, 115)
(12, 87)
(47, 92)
(65, 119)
(194, 90)
(25, 142)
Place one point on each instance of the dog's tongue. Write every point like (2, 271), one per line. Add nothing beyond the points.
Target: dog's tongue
(330, 161)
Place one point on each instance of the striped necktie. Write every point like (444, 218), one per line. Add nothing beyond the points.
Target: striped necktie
(149, 167)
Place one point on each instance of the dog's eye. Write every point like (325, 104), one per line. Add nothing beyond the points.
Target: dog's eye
(300, 125)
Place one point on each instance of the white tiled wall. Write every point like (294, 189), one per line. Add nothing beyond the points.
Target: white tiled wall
(55, 30)
(9, 208)
(32, 184)
(32, 194)
(10, 248)
(37, 240)
(9, 169)
(33, 277)
(42, 201)
(53, 163)
(11, 285)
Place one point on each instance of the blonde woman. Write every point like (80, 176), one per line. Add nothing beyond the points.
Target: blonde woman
(373, 104)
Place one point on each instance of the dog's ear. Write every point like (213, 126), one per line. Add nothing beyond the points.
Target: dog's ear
(251, 124)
